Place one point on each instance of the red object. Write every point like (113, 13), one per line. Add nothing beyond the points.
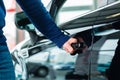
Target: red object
(12, 8)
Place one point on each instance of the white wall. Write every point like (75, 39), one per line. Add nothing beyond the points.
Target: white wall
(10, 29)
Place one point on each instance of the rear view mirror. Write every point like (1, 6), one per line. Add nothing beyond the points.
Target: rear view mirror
(22, 22)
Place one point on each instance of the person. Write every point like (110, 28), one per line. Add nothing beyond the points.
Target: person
(39, 16)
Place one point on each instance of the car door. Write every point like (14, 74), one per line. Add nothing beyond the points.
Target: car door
(94, 18)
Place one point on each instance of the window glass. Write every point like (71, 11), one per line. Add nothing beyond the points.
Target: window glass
(72, 8)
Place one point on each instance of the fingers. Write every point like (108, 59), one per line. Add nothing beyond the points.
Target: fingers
(67, 45)
(68, 48)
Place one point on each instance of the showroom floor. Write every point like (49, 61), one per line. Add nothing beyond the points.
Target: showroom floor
(60, 76)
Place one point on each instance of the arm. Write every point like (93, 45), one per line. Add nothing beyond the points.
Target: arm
(43, 21)
(39, 16)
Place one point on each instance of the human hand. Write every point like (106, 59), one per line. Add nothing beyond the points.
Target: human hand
(70, 49)
(67, 45)
(80, 46)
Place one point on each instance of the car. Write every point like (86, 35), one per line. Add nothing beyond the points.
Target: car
(20, 55)
(38, 51)
(37, 59)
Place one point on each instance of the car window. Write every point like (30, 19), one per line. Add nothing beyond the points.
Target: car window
(73, 8)
(72, 17)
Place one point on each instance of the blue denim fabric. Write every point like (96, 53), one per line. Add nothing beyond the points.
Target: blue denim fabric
(6, 65)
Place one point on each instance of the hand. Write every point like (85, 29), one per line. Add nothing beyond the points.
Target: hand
(68, 48)
(67, 45)
(83, 47)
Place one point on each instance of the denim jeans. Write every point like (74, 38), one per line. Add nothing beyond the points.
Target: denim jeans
(6, 65)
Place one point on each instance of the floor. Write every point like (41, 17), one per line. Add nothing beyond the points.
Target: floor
(60, 76)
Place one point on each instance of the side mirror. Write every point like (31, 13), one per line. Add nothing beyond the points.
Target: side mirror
(22, 22)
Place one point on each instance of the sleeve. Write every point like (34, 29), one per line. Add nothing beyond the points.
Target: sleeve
(42, 20)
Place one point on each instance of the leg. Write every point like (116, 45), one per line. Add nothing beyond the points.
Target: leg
(6, 66)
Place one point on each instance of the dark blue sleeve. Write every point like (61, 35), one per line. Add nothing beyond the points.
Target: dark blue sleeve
(40, 17)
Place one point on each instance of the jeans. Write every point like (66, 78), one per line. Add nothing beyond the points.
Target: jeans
(6, 65)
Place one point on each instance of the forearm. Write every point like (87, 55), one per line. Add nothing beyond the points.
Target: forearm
(39, 16)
